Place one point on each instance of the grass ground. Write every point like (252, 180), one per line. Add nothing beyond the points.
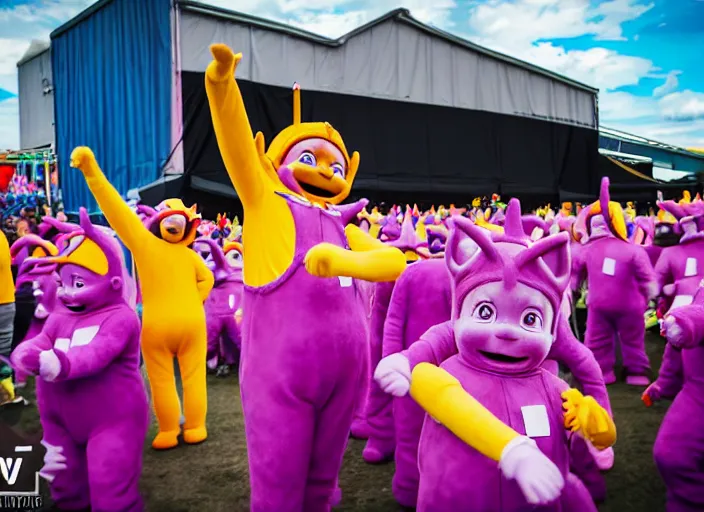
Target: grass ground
(213, 476)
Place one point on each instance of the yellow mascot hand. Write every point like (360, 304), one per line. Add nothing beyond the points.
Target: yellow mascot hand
(321, 260)
(224, 64)
(584, 415)
(83, 159)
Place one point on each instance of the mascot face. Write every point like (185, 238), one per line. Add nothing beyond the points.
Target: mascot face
(320, 170)
(175, 223)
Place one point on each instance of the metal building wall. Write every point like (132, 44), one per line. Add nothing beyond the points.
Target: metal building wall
(36, 99)
(391, 60)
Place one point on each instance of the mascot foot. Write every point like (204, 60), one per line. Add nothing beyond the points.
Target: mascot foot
(360, 429)
(222, 371)
(377, 451)
(637, 380)
(336, 497)
(407, 499)
(609, 377)
(166, 440)
(195, 435)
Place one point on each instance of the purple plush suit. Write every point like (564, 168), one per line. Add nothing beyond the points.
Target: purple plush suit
(421, 299)
(96, 409)
(224, 339)
(506, 262)
(381, 443)
(679, 447)
(44, 284)
(435, 328)
(620, 280)
(305, 409)
(682, 264)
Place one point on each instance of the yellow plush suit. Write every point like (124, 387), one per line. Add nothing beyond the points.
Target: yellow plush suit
(174, 282)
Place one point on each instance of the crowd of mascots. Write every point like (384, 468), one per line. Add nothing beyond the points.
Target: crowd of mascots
(437, 336)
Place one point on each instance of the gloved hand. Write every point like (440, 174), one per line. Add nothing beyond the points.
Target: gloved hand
(652, 394)
(537, 476)
(583, 414)
(393, 374)
(678, 333)
(54, 461)
(49, 365)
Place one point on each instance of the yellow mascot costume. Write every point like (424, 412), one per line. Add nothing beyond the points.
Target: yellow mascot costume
(174, 282)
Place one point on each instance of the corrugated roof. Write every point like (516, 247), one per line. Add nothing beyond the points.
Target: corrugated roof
(401, 15)
(86, 13)
(636, 139)
(36, 48)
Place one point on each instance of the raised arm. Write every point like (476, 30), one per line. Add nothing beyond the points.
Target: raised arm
(435, 346)
(204, 277)
(232, 129)
(82, 361)
(120, 216)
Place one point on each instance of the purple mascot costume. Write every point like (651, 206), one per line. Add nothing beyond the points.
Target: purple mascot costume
(92, 399)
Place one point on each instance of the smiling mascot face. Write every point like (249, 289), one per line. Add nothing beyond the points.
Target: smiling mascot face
(311, 159)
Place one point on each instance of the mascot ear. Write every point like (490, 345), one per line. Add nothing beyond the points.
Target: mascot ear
(354, 165)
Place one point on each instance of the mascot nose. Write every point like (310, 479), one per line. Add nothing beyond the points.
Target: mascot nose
(506, 333)
(326, 172)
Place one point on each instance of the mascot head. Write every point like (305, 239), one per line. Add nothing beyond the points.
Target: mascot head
(174, 222)
(310, 159)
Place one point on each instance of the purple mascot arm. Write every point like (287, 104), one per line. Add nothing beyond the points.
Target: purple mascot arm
(581, 361)
(25, 357)
(395, 323)
(434, 347)
(579, 269)
(663, 271)
(108, 344)
(645, 275)
(670, 375)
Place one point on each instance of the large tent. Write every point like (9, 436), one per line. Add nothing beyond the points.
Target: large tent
(431, 114)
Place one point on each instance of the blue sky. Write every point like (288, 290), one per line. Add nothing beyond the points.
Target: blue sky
(645, 56)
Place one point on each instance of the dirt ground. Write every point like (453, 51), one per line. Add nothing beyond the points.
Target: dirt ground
(213, 476)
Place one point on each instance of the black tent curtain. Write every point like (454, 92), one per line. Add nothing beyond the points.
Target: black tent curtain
(409, 152)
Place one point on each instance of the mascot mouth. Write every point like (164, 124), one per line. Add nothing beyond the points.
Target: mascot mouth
(320, 192)
(75, 309)
(502, 358)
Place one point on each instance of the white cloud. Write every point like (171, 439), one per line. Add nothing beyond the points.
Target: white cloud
(671, 84)
(683, 106)
(9, 124)
(521, 27)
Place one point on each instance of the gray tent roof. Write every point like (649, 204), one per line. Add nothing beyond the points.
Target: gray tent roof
(35, 49)
(400, 15)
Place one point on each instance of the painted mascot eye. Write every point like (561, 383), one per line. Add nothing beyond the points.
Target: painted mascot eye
(484, 312)
(338, 169)
(79, 284)
(307, 158)
(532, 321)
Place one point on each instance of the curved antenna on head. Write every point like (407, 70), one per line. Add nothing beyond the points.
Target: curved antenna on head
(461, 229)
(60, 226)
(604, 200)
(675, 209)
(296, 103)
(31, 240)
(512, 223)
(85, 223)
(147, 211)
(530, 223)
(539, 250)
(216, 251)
